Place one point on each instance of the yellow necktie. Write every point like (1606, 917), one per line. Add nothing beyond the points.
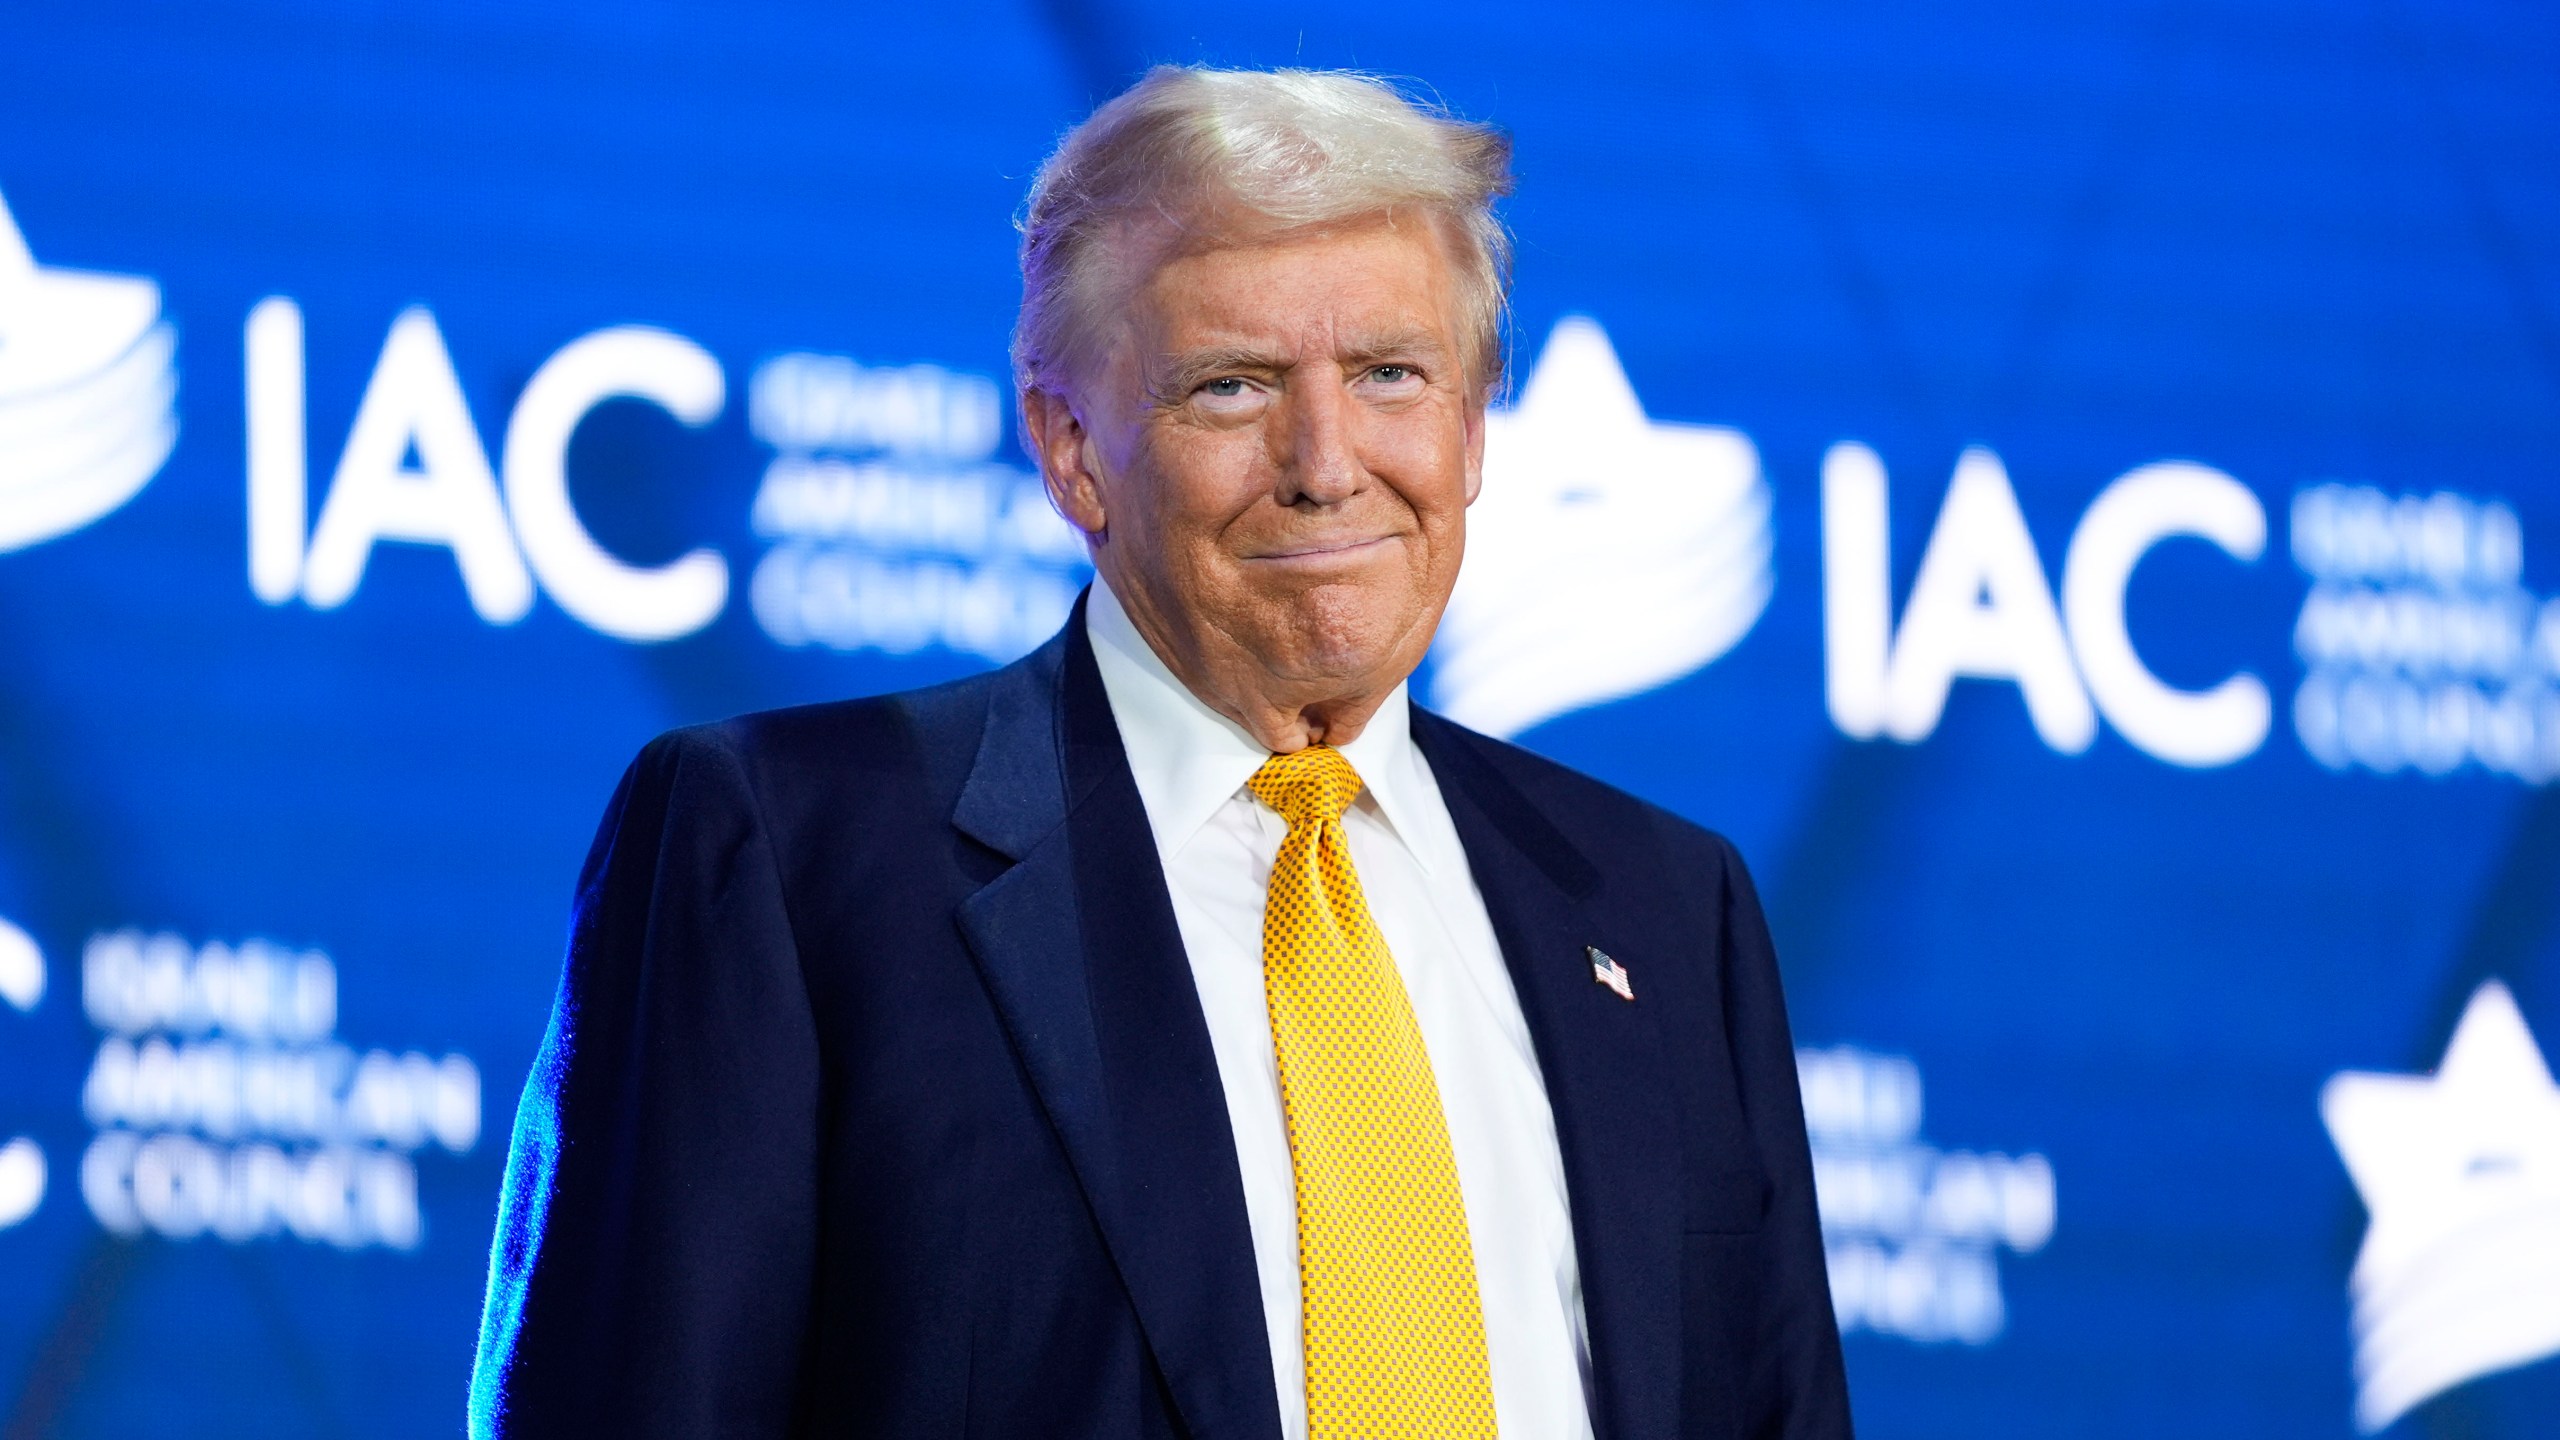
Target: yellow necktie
(1386, 1276)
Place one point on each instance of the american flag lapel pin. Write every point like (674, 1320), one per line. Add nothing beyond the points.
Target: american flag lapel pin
(1610, 973)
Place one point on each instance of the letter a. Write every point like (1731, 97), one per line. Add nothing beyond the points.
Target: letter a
(1980, 607)
(449, 499)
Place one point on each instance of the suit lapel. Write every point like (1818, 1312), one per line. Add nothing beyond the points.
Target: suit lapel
(1079, 948)
(1080, 951)
(1607, 1080)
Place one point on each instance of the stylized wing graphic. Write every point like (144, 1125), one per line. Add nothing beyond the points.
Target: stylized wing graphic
(1607, 555)
(88, 393)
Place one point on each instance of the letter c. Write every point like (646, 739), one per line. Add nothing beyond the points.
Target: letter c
(106, 1182)
(625, 601)
(2199, 729)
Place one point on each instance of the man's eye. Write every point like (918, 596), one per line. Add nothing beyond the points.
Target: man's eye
(1226, 389)
(1392, 374)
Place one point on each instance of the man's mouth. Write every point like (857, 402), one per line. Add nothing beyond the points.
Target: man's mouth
(1346, 547)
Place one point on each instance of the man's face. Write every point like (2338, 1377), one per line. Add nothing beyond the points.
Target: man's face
(1278, 454)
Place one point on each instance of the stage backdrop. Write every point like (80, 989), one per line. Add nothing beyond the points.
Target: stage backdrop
(2074, 492)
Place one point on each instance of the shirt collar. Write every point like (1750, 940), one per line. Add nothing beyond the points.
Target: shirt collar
(1188, 759)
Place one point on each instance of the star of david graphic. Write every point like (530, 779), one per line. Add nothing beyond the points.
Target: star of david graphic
(2459, 1275)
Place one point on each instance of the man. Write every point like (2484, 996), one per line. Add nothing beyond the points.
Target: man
(1176, 1032)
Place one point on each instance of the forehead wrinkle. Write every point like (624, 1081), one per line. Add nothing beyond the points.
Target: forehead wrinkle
(1364, 328)
(1407, 341)
(1178, 373)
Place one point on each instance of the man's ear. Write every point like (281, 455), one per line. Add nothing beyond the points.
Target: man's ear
(1059, 445)
(1475, 446)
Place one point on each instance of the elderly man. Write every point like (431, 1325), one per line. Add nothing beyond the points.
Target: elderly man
(1176, 1032)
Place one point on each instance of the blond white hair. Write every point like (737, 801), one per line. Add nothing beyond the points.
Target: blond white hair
(1186, 146)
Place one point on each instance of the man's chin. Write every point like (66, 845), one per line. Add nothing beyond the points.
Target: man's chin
(1346, 637)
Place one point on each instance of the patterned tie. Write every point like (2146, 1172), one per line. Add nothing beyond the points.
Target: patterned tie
(1386, 1276)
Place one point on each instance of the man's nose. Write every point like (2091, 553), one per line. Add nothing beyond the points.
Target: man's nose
(1317, 443)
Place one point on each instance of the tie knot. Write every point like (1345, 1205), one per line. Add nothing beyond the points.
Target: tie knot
(1307, 786)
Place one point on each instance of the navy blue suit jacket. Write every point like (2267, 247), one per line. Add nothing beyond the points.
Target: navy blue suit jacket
(878, 1100)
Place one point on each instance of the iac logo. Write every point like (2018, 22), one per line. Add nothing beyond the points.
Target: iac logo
(896, 527)
(1608, 553)
(87, 392)
(2459, 1274)
(1611, 554)
(1980, 607)
(413, 470)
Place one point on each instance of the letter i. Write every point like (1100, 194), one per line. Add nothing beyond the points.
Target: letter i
(1857, 605)
(279, 471)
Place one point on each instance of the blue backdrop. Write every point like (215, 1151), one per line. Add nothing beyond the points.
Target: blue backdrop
(2071, 492)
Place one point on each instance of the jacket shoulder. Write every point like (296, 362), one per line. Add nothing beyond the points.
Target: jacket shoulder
(901, 742)
(1602, 821)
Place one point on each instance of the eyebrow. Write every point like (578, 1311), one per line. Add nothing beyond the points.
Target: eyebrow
(1187, 371)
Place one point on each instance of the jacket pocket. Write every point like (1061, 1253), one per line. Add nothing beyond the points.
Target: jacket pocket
(1724, 1359)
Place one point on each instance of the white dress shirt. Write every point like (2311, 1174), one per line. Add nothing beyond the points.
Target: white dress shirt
(1217, 844)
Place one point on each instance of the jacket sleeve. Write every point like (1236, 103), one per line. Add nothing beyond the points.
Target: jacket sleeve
(651, 1272)
(1801, 1338)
